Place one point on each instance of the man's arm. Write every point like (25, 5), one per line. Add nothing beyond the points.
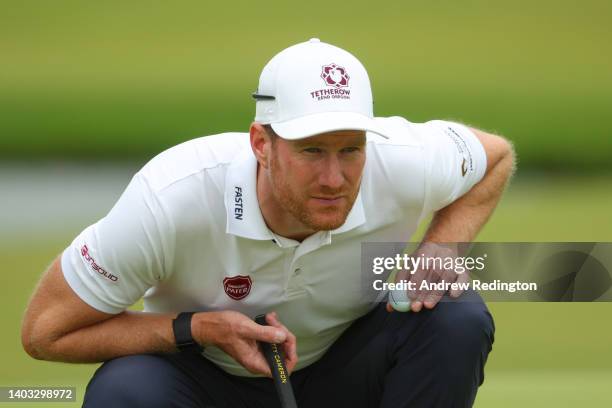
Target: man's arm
(461, 220)
(59, 326)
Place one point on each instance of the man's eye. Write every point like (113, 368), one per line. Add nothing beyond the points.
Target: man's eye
(351, 149)
(312, 150)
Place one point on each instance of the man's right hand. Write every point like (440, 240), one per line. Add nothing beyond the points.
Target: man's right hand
(237, 335)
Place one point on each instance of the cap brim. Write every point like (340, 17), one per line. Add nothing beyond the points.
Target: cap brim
(315, 124)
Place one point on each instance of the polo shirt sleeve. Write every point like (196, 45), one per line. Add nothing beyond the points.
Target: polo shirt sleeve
(113, 262)
(455, 161)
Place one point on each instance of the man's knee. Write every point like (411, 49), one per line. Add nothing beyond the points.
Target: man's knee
(465, 335)
(465, 321)
(442, 352)
(134, 381)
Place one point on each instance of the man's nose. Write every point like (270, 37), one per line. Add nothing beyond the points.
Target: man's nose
(331, 174)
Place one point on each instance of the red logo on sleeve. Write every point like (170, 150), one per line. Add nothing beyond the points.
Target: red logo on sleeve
(96, 268)
(237, 287)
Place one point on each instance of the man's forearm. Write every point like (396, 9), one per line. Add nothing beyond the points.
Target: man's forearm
(124, 334)
(59, 326)
(461, 220)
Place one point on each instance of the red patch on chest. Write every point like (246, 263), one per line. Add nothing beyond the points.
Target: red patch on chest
(237, 287)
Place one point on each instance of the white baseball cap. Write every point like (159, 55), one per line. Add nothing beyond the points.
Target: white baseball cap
(312, 88)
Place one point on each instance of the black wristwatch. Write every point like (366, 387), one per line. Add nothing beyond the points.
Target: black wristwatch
(181, 326)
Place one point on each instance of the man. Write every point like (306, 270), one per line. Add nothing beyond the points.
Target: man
(234, 225)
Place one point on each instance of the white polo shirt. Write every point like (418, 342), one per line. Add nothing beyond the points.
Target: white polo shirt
(188, 233)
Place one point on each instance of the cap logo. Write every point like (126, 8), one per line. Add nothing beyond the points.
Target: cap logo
(334, 75)
(237, 287)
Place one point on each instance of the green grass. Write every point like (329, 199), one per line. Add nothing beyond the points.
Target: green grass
(549, 208)
(564, 337)
(544, 207)
(545, 354)
(546, 388)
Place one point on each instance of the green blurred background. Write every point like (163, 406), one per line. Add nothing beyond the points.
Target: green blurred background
(89, 91)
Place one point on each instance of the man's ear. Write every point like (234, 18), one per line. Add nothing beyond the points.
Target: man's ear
(260, 143)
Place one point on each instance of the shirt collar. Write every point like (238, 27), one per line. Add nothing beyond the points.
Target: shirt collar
(355, 218)
(243, 214)
(244, 217)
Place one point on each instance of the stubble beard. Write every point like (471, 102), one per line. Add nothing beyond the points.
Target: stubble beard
(295, 204)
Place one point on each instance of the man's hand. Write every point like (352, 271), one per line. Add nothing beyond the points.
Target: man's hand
(431, 274)
(237, 335)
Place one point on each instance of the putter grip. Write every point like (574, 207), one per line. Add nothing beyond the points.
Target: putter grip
(279, 372)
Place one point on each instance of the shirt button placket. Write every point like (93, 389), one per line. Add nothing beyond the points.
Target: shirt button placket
(296, 281)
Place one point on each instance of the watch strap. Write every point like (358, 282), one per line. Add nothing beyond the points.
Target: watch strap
(181, 326)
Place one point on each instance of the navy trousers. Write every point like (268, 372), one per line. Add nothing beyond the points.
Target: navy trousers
(434, 358)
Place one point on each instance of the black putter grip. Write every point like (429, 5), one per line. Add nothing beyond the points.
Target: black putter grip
(279, 372)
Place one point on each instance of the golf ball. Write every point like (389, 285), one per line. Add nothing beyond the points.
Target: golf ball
(399, 300)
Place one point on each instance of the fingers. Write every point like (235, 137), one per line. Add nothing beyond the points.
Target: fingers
(433, 297)
(268, 334)
(416, 295)
(419, 275)
(429, 296)
(402, 275)
(256, 363)
(290, 344)
(240, 340)
(461, 278)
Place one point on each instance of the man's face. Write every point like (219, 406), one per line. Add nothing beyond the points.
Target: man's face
(317, 179)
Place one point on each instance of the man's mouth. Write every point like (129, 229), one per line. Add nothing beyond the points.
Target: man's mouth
(329, 200)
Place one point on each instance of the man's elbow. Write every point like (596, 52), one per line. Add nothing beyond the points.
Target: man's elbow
(507, 162)
(35, 342)
(500, 152)
(31, 347)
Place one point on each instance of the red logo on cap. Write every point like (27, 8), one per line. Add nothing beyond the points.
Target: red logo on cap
(336, 76)
(237, 287)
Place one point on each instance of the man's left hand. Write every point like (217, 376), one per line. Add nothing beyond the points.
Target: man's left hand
(433, 274)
